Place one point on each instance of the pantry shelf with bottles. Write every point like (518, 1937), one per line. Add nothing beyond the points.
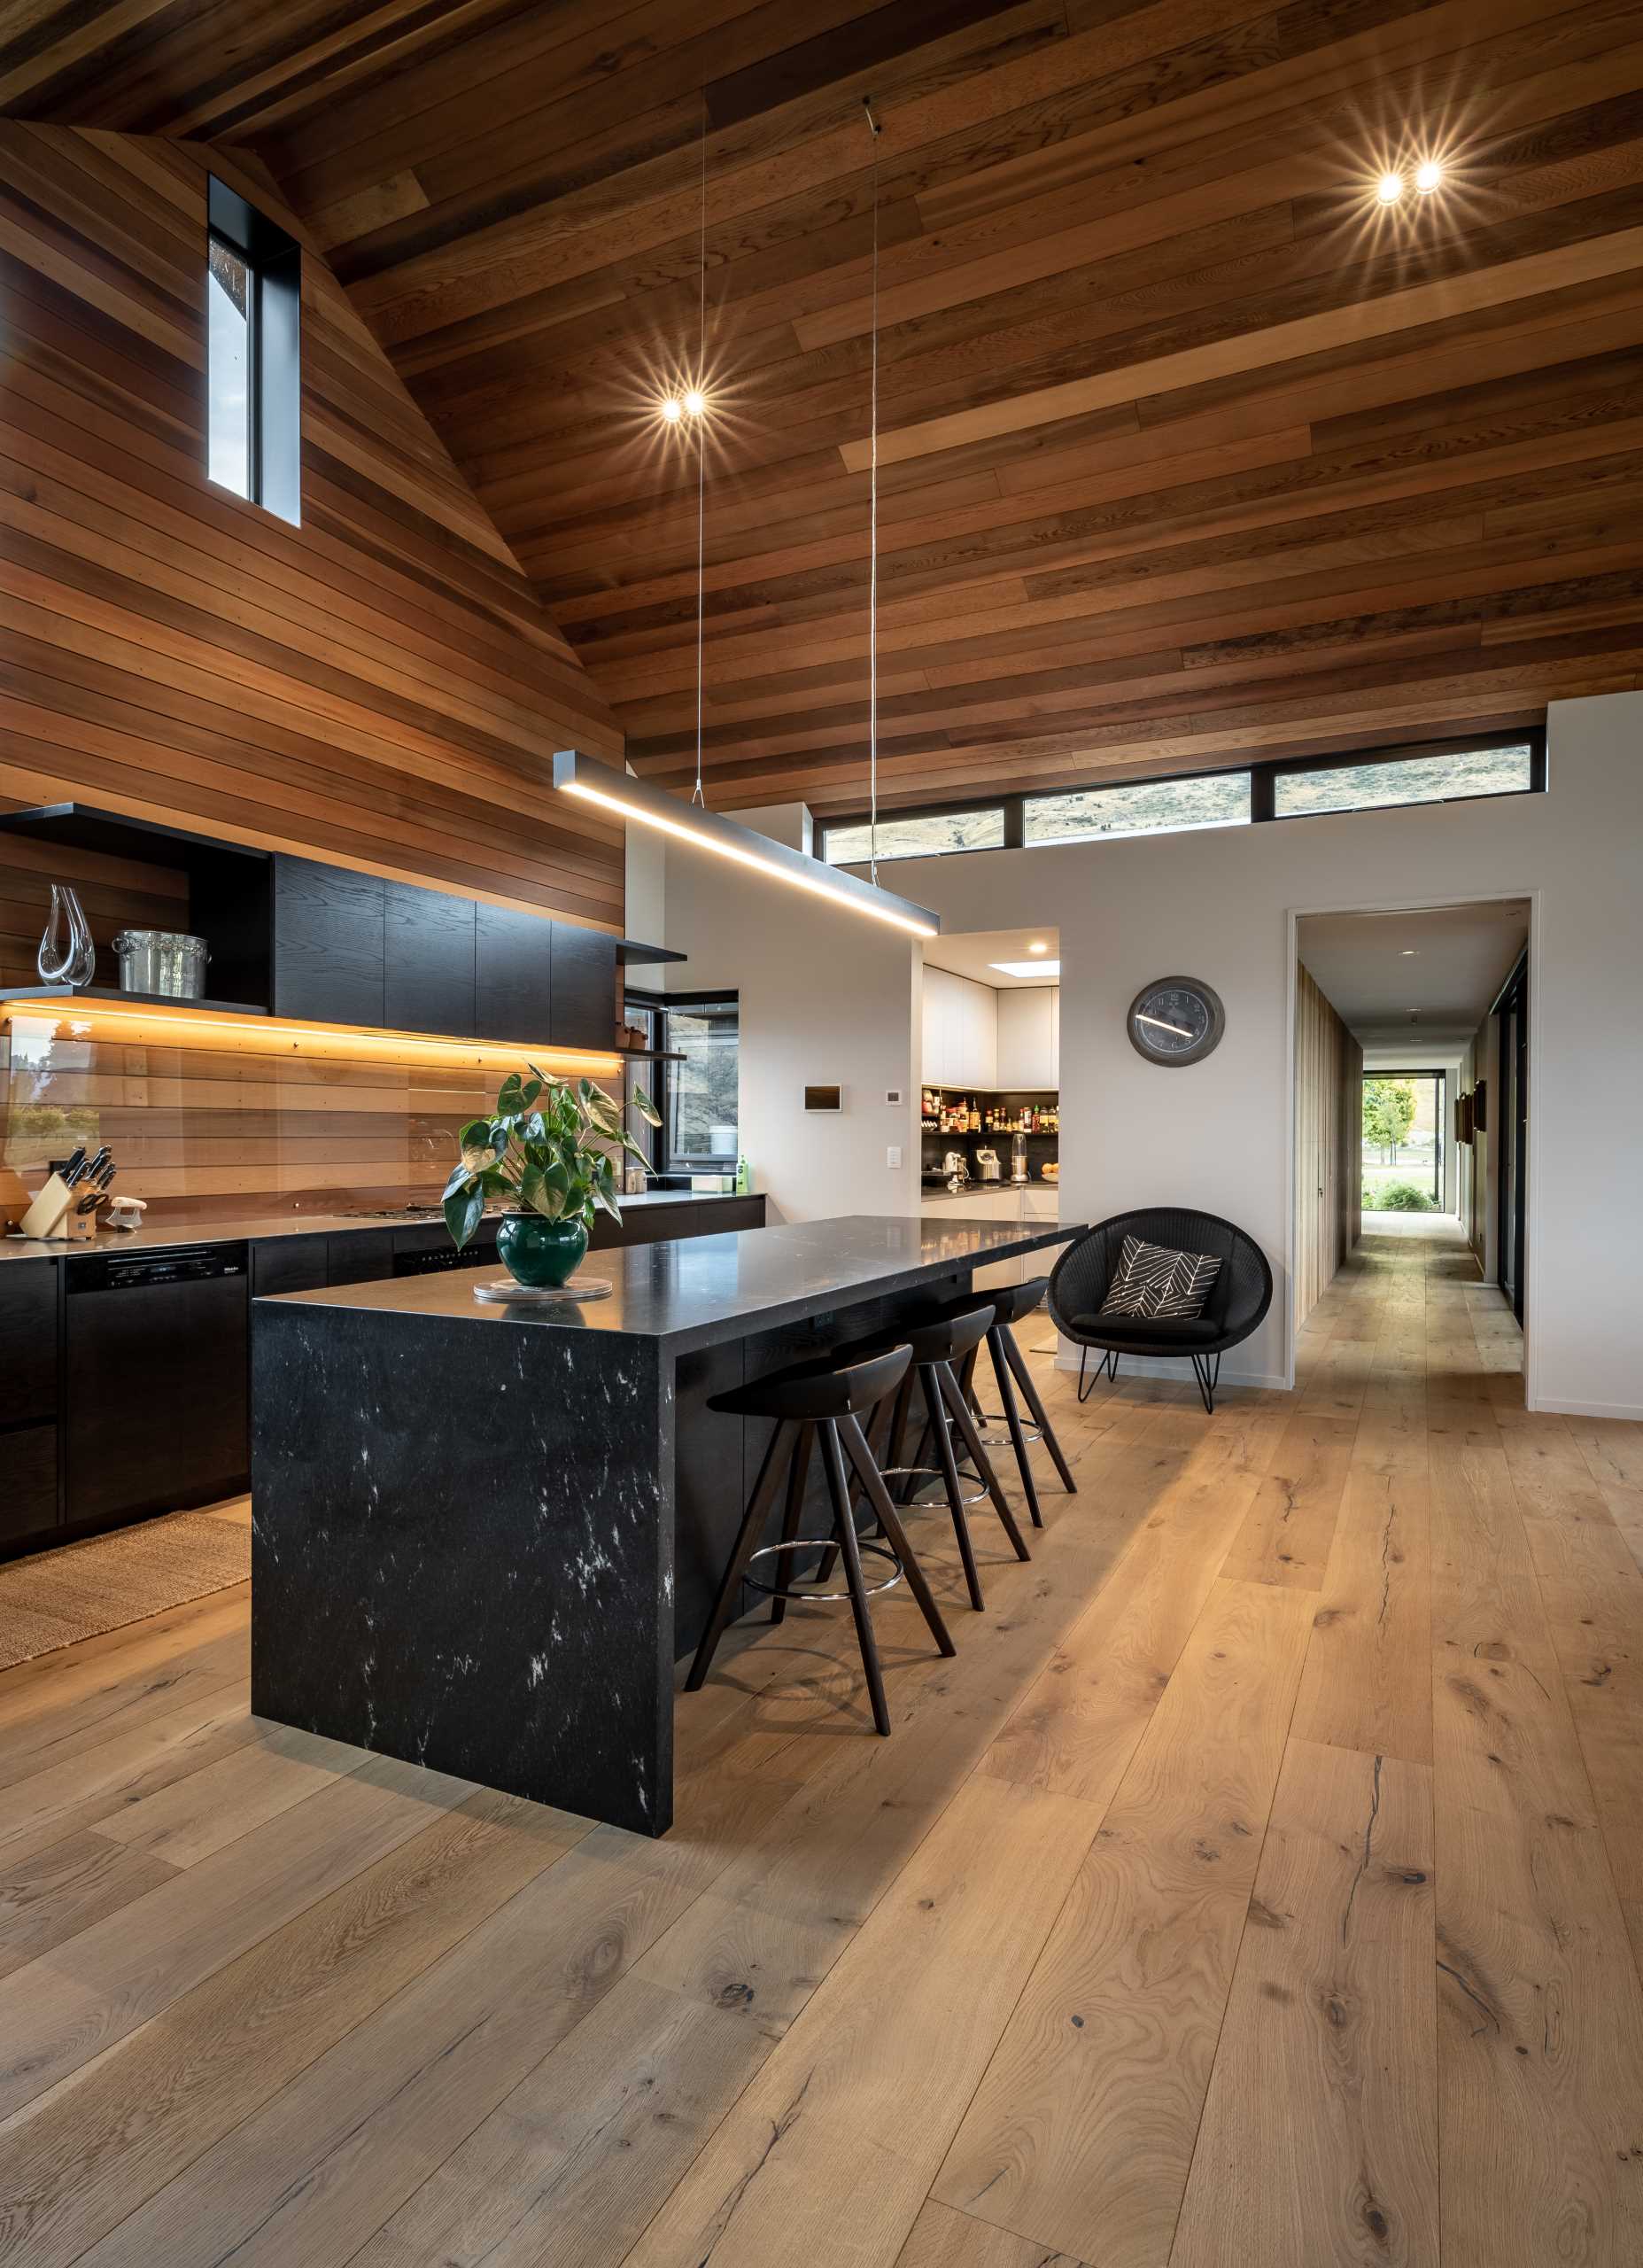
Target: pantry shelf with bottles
(984, 1111)
(982, 1136)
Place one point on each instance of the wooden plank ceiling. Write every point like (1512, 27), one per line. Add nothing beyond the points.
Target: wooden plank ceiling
(1189, 450)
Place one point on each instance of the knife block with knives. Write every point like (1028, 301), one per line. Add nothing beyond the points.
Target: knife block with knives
(66, 1209)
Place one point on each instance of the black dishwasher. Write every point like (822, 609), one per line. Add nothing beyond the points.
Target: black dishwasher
(156, 1380)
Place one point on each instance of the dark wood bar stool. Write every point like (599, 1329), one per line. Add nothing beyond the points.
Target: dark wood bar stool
(1011, 1303)
(940, 1345)
(821, 1401)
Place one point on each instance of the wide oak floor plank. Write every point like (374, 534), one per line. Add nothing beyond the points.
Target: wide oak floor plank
(1331, 2014)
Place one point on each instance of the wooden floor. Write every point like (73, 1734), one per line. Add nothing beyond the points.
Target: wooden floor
(1254, 1888)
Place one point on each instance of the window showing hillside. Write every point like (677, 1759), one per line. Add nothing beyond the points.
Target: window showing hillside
(927, 837)
(1404, 780)
(1152, 807)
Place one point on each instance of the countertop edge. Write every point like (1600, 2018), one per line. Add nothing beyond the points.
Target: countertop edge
(1024, 1237)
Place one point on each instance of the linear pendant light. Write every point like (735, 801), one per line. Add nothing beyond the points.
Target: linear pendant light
(628, 799)
(592, 782)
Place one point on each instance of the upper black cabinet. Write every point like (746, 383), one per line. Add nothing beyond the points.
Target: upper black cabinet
(327, 943)
(514, 977)
(352, 949)
(427, 981)
(585, 986)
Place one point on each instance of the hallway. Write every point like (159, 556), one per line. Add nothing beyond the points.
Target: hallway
(1254, 1889)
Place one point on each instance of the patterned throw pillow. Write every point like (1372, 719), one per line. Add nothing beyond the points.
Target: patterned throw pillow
(1152, 1282)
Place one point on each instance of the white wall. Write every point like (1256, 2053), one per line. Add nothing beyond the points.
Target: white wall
(827, 999)
(1222, 905)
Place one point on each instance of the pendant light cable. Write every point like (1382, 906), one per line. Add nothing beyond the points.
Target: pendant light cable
(872, 534)
(702, 455)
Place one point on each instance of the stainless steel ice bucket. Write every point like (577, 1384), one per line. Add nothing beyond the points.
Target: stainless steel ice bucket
(164, 961)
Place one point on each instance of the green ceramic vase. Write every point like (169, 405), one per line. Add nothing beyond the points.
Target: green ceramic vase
(543, 1254)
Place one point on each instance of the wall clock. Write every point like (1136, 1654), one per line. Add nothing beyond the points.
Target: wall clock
(1176, 1019)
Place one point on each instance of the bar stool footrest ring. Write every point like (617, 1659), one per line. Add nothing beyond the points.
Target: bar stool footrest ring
(1029, 1431)
(928, 1473)
(821, 1543)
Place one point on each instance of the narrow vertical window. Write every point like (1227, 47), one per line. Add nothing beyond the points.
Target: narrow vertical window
(253, 362)
(227, 343)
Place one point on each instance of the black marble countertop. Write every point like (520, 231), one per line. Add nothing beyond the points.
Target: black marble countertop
(692, 1292)
(164, 1236)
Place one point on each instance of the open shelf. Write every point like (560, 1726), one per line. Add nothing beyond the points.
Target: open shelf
(83, 827)
(24, 995)
(630, 951)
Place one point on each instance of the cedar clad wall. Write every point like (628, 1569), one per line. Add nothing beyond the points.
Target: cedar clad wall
(1328, 1143)
(379, 687)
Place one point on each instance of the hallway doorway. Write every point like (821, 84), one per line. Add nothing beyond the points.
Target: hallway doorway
(1403, 1144)
(1411, 1085)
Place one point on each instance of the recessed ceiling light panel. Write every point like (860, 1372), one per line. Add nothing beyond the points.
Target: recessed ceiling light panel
(1026, 967)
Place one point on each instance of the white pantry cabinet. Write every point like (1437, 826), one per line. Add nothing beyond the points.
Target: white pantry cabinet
(1029, 1034)
(960, 1031)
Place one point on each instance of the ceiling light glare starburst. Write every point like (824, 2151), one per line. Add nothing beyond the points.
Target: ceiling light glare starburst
(672, 409)
(1428, 175)
(695, 404)
(1389, 188)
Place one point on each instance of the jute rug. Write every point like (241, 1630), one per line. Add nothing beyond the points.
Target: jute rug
(82, 1590)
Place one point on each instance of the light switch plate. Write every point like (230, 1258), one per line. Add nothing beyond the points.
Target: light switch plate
(893, 1155)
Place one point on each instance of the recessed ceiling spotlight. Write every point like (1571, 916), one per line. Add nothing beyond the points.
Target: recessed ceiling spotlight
(695, 403)
(1411, 953)
(1428, 176)
(672, 409)
(1390, 187)
(1038, 946)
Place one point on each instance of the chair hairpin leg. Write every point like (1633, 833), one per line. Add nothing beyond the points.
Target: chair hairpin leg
(1206, 1369)
(1107, 1367)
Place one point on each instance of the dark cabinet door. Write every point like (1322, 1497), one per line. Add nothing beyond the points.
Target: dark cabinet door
(585, 987)
(327, 943)
(514, 974)
(28, 1498)
(27, 1341)
(428, 979)
(157, 1393)
(288, 1264)
(364, 1257)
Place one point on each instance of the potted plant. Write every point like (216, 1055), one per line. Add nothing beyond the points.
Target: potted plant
(551, 1149)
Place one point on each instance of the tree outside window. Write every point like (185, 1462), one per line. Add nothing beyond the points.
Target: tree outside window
(1388, 1114)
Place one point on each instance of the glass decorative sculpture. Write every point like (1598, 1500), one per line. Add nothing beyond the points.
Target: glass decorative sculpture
(67, 955)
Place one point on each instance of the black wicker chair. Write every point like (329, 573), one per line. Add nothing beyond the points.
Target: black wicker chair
(1237, 1305)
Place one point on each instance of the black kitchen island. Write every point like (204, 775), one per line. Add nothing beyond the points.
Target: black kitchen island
(483, 1534)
